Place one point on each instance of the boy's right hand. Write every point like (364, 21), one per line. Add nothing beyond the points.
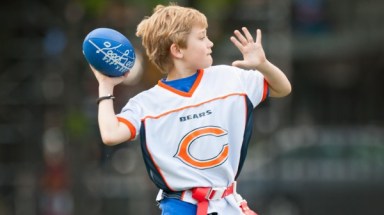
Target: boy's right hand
(106, 80)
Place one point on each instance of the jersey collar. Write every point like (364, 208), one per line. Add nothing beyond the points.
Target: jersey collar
(200, 73)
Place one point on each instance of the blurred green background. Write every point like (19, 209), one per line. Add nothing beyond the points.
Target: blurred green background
(318, 151)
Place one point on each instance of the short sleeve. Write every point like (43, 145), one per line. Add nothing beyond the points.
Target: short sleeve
(130, 116)
(255, 85)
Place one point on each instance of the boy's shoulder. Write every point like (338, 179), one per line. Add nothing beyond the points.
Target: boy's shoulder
(220, 67)
(222, 70)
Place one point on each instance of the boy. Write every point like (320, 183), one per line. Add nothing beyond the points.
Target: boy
(195, 124)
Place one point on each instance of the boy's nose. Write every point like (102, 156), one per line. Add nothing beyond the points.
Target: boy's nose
(210, 44)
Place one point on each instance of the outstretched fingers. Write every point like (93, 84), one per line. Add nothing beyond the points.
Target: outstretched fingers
(258, 36)
(247, 35)
(240, 40)
(240, 37)
(237, 43)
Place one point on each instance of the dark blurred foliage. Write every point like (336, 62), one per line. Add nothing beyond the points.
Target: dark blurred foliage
(52, 161)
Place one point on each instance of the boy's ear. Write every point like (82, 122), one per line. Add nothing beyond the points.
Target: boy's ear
(175, 51)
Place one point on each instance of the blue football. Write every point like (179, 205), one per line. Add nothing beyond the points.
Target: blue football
(109, 51)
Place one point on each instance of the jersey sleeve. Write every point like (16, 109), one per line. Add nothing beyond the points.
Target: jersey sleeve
(255, 85)
(130, 116)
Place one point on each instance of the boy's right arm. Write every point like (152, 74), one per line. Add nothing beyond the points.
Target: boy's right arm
(112, 131)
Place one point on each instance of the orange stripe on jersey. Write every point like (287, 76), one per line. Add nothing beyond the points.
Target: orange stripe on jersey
(265, 91)
(131, 128)
(181, 93)
(196, 105)
(182, 195)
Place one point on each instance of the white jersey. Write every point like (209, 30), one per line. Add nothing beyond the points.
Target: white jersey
(199, 138)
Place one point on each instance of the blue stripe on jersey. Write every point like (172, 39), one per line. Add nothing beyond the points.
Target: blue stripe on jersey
(182, 84)
(153, 172)
(247, 135)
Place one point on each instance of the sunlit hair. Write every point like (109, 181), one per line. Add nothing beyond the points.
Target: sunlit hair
(168, 25)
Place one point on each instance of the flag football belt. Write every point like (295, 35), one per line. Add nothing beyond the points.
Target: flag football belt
(203, 195)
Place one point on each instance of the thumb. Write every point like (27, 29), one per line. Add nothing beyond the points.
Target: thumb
(237, 63)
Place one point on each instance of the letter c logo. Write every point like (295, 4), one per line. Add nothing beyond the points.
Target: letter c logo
(184, 154)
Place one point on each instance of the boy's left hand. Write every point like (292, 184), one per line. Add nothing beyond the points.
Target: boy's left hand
(253, 52)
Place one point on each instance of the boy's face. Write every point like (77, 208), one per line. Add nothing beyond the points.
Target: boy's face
(197, 55)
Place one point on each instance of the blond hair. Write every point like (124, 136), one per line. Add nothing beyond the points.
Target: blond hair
(167, 25)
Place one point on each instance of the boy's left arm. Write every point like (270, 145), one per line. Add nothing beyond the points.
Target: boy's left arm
(254, 58)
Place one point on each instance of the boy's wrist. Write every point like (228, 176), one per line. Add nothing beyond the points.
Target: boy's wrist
(264, 66)
(105, 90)
(109, 97)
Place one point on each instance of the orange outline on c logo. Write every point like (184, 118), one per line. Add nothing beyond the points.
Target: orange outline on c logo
(184, 155)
